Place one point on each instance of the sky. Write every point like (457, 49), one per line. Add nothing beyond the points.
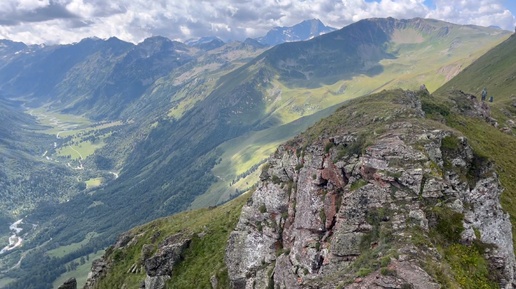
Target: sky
(68, 21)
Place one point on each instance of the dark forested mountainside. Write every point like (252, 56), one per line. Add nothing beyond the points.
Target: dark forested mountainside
(27, 178)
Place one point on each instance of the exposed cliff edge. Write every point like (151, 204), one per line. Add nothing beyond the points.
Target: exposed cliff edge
(374, 202)
(375, 196)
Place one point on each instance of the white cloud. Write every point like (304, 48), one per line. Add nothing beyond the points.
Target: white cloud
(480, 12)
(63, 21)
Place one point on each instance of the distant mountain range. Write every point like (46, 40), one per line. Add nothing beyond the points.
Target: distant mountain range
(305, 30)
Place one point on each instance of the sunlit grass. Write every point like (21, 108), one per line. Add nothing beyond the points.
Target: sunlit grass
(94, 182)
(64, 250)
(59, 122)
(203, 259)
(4, 281)
(80, 151)
(80, 273)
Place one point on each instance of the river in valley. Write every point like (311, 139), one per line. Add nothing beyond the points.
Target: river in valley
(15, 240)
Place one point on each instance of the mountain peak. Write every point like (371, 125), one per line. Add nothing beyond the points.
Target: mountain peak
(156, 39)
(205, 43)
(8, 46)
(305, 30)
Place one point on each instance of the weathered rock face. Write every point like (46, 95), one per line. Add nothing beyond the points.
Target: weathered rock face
(69, 284)
(157, 263)
(159, 266)
(98, 270)
(344, 207)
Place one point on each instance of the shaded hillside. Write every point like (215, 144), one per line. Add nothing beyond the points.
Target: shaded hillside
(96, 77)
(26, 177)
(127, 79)
(35, 72)
(9, 49)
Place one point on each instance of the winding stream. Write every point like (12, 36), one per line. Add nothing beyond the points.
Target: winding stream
(15, 241)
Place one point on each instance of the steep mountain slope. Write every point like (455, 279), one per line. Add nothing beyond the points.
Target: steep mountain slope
(10, 48)
(80, 226)
(305, 30)
(95, 77)
(182, 136)
(36, 71)
(205, 43)
(368, 56)
(130, 76)
(490, 126)
(28, 181)
(376, 195)
(493, 70)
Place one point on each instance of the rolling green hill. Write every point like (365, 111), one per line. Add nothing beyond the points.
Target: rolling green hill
(493, 70)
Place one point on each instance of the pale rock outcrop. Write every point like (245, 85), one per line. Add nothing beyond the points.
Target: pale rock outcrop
(319, 211)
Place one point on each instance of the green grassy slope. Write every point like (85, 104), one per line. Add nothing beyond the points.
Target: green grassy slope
(494, 70)
(203, 259)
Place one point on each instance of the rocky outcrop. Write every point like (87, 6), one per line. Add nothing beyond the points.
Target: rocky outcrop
(99, 269)
(69, 284)
(364, 210)
(156, 261)
(159, 266)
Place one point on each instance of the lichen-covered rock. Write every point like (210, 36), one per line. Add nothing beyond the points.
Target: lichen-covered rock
(326, 215)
